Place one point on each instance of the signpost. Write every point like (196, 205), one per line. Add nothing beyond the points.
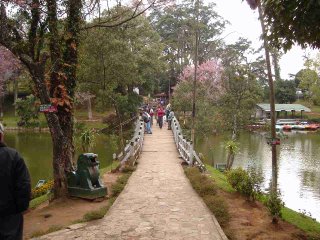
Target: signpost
(46, 108)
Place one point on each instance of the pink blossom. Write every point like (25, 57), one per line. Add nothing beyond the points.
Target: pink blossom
(9, 66)
(208, 75)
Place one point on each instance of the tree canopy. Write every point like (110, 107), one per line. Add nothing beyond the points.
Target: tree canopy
(291, 22)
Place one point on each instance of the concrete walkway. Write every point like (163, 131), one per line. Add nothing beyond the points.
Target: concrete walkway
(157, 203)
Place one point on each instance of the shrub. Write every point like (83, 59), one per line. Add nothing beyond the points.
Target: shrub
(274, 205)
(245, 182)
(27, 111)
(201, 183)
(218, 207)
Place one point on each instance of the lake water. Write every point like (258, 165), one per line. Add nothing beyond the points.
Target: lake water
(298, 157)
(36, 149)
(298, 164)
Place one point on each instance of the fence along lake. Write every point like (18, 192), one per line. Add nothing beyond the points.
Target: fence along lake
(298, 164)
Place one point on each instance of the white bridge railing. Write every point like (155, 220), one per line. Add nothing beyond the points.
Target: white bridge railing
(185, 147)
(133, 149)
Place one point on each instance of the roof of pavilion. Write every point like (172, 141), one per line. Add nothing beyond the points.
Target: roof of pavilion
(284, 107)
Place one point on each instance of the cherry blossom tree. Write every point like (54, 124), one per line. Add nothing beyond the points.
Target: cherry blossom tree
(208, 77)
(209, 89)
(10, 68)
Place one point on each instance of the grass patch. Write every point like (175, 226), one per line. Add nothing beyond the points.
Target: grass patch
(97, 214)
(109, 168)
(218, 207)
(53, 228)
(121, 182)
(207, 189)
(220, 179)
(9, 120)
(305, 223)
(201, 183)
(39, 200)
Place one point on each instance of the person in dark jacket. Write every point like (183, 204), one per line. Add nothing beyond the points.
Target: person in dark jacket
(15, 189)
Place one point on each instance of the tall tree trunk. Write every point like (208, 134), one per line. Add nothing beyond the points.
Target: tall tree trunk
(274, 182)
(1, 106)
(62, 152)
(89, 109)
(15, 94)
(120, 123)
(276, 66)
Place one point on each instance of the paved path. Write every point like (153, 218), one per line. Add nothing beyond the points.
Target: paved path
(157, 203)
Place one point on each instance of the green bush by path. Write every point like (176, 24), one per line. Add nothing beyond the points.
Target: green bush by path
(245, 182)
(305, 223)
(220, 179)
(218, 207)
(201, 183)
(207, 189)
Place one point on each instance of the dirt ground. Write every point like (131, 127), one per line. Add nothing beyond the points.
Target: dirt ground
(251, 221)
(61, 213)
(248, 221)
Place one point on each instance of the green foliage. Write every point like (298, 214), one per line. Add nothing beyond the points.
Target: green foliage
(285, 91)
(87, 138)
(315, 90)
(232, 146)
(242, 92)
(176, 26)
(245, 182)
(307, 78)
(220, 179)
(27, 111)
(128, 104)
(275, 205)
(120, 59)
(293, 22)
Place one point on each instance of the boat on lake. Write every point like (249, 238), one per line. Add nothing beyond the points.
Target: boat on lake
(293, 124)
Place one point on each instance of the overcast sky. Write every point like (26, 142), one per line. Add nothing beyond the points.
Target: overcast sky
(244, 23)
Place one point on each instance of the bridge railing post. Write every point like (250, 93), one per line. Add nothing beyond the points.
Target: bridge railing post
(191, 154)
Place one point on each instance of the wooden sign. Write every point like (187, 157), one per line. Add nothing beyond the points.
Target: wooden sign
(48, 108)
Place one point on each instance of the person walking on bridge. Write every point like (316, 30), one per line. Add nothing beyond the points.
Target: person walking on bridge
(15, 191)
(147, 119)
(170, 117)
(151, 113)
(160, 113)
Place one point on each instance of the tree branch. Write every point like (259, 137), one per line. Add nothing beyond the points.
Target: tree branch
(103, 25)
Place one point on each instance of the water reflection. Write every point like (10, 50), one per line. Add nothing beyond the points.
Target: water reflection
(36, 149)
(298, 164)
